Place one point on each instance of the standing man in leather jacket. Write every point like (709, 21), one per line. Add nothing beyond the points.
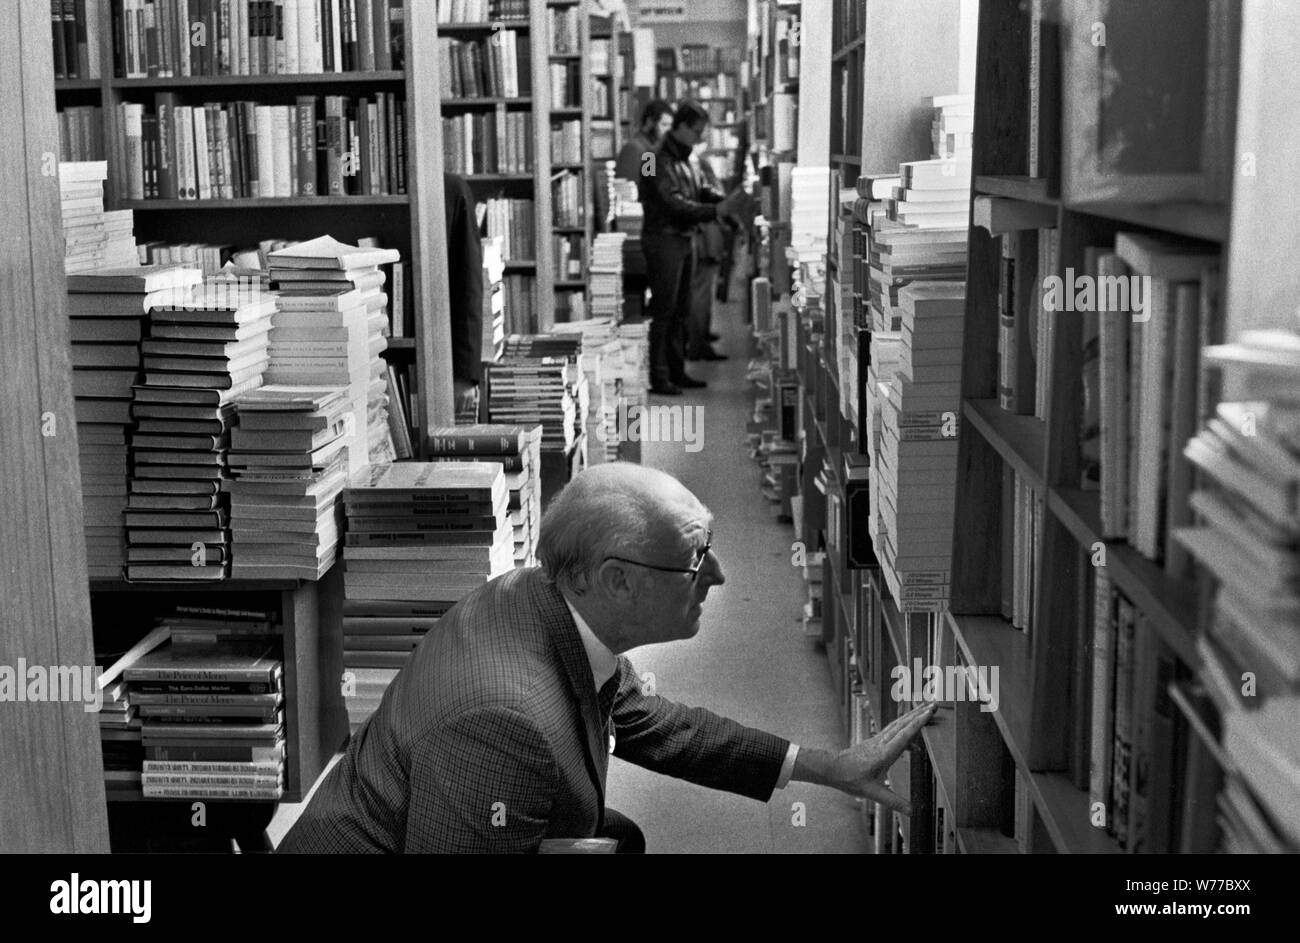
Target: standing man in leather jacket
(674, 203)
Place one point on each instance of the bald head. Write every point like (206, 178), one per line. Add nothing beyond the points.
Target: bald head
(615, 509)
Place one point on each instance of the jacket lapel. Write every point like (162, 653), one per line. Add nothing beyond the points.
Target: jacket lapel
(567, 644)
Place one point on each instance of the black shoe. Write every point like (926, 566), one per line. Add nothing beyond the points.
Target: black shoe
(666, 389)
(690, 383)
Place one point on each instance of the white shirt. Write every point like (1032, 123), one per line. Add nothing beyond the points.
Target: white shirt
(604, 664)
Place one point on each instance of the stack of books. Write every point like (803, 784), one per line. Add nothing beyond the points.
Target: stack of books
(952, 130)
(632, 375)
(539, 381)
(93, 239)
(494, 300)
(288, 462)
(202, 353)
(1246, 538)
(107, 321)
(916, 464)
(518, 449)
(626, 208)
(330, 331)
(212, 721)
(808, 213)
(606, 275)
(420, 535)
(600, 361)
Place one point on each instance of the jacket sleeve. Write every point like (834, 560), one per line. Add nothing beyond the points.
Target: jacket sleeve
(668, 188)
(692, 743)
(482, 783)
(465, 277)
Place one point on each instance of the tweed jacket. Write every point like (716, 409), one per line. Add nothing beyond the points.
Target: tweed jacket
(491, 739)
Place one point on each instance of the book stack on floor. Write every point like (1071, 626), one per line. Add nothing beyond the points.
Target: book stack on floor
(107, 322)
(330, 331)
(606, 276)
(916, 464)
(1246, 538)
(93, 239)
(518, 449)
(212, 719)
(420, 535)
(600, 361)
(288, 468)
(494, 300)
(201, 354)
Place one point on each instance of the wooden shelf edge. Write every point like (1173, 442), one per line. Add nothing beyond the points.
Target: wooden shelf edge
(1194, 220)
(1020, 440)
(985, 841)
(1169, 604)
(267, 202)
(941, 743)
(193, 586)
(1065, 813)
(287, 78)
(1028, 189)
(988, 641)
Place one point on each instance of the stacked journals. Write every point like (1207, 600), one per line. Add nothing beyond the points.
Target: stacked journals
(606, 276)
(202, 352)
(107, 312)
(419, 537)
(518, 449)
(916, 465)
(1246, 538)
(330, 330)
(808, 220)
(288, 466)
(93, 239)
(539, 381)
(212, 720)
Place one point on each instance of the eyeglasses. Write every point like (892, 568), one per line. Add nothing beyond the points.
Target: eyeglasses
(700, 556)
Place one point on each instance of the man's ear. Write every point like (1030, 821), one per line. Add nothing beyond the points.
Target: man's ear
(617, 581)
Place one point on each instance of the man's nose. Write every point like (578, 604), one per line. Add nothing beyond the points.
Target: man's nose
(711, 572)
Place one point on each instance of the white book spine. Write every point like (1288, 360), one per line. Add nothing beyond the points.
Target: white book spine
(282, 158)
(336, 16)
(180, 14)
(265, 151)
(133, 132)
(310, 49)
(292, 16)
(279, 39)
(239, 37)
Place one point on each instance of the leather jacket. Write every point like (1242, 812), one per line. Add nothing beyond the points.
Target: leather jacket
(673, 199)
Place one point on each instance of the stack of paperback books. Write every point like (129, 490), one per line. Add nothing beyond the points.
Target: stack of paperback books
(93, 239)
(420, 535)
(202, 353)
(288, 462)
(539, 381)
(601, 362)
(494, 300)
(212, 721)
(915, 467)
(330, 331)
(606, 281)
(519, 451)
(107, 310)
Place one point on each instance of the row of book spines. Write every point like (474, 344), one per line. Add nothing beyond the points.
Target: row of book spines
(245, 149)
(81, 133)
(501, 142)
(178, 38)
(75, 29)
(494, 68)
(481, 11)
(1024, 328)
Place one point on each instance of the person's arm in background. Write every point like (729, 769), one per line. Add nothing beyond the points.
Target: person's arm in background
(673, 191)
(465, 277)
(630, 160)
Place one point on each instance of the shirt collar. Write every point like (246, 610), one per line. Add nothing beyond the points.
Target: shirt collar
(604, 663)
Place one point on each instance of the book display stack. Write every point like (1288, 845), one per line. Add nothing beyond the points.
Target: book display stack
(518, 449)
(201, 354)
(599, 359)
(420, 535)
(494, 300)
(330, 330)
(915, 467)
(288, 464)
(538, 382)
(212, 720)
(93, 238)
(107, 321)
(606, 275)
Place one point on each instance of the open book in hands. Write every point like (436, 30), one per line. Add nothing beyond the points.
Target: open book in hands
(739, 207)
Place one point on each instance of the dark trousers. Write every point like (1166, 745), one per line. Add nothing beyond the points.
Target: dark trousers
(668, 260)
(701, 320)
(630, 838)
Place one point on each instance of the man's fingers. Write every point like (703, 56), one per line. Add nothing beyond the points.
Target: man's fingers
(902, 720)
(878, 793)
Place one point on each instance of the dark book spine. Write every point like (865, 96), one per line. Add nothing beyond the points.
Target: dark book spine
(165, 110)
(56, 32)
(82, 40)
(327, 33)
(306, 125)
(397, 33)
(382, 39)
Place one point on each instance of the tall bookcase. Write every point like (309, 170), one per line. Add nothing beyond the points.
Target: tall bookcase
(535, 184)
(576, 230)
(411, 222)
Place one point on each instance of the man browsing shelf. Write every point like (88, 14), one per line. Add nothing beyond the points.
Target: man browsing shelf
(497, 733)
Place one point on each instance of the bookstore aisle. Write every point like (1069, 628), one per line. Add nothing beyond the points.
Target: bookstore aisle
(750, 660)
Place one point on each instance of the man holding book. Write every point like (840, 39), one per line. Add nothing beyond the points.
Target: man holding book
(496, 736)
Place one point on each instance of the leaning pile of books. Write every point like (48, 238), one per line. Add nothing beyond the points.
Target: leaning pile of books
(107, 310)
(518, 449)
(288, 462)
(1247, 537)
(202, 353)
(93, 239)
(606, 275)
(330, 331)
(915, 467)
(420, 535)
(212, 720)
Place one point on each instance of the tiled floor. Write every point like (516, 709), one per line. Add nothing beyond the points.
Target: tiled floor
(750, 660)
